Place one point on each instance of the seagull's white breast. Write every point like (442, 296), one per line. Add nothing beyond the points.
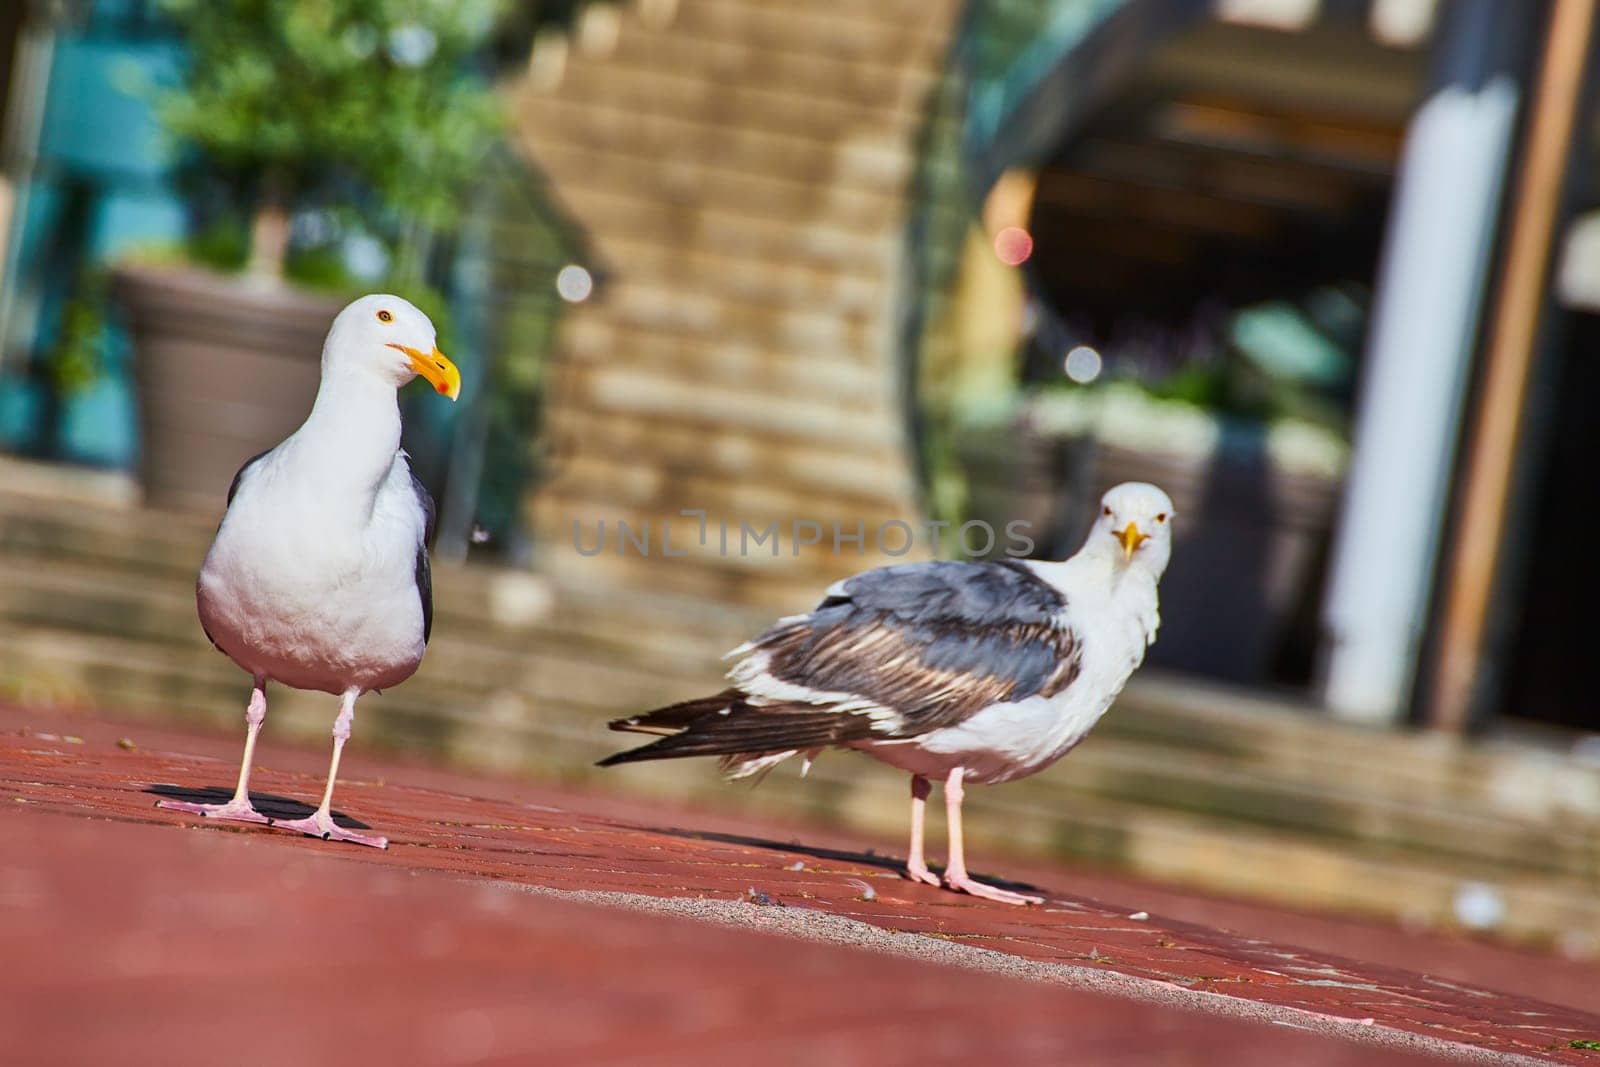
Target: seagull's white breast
(311, 588)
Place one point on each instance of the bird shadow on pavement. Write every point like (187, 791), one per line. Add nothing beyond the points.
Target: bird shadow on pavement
(865, 859)
(271, 805)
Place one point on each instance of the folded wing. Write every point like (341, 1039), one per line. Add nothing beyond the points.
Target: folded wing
(890, 654)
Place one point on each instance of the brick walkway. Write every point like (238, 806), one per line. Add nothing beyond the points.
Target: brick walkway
(131, 940)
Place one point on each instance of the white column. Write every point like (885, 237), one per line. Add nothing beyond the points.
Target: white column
(1420, 348)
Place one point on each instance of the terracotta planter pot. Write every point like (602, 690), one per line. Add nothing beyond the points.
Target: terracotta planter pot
(224, 370)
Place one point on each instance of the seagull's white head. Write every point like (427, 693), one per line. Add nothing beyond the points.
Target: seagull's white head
(388, 338)
(1135, 527)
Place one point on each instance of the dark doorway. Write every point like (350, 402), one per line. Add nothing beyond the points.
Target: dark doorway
(1213, 230)
(1545, 672)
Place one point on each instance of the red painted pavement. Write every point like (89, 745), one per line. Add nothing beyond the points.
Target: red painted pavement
(128, 938)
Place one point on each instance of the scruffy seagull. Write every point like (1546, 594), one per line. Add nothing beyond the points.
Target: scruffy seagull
(318, 577)
(966, 672)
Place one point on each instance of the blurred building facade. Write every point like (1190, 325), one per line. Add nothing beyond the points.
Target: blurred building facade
(87, 183)
(744, 174)
(1308, 217)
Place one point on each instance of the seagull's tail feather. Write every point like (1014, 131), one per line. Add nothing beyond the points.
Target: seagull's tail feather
(749, 738)
(675, 717)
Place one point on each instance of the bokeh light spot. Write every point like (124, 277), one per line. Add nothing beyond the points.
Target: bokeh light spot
(1013, 245)
(1083, 364)
(412, 45)
(574, 284)
(1479, 906)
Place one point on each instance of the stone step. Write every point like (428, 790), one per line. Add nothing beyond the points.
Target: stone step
(821, 420)
(681, 142)
(638, 389)
(97, 600)
(850, 14)
(646, 303)
(620, 482)
(1216, 722)
(841, 368)
(1113, 768)
(637, 82)
(151, 544)
(748, 204)
(874, 79)
(750, 574)
(833, 243)
(63, 668)
(847, 32)
(481, 640)
(495, 646)
(758, 142)
(745, 454)
(774, 272)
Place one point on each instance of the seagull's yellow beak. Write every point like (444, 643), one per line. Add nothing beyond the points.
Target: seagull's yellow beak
(1131, 539)
(439, 371)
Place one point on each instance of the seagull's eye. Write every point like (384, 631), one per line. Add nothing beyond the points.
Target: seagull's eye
(1161, 517)
(384, 316)
(1106, 511)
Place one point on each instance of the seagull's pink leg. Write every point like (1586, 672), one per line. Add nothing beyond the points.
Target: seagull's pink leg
(955, 873)
(320, 823)
(239, 809)
(916, 864)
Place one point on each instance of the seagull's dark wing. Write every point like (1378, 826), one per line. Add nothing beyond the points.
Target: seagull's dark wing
(890, 654)
(238, 475)
(424, 571)
(932, 642)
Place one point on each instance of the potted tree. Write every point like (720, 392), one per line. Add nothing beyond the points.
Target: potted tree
(356, 116)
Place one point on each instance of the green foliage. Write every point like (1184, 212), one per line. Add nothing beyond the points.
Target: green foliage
(1229, 387)
(223, 245)
(322, 267)
(294, 96)
(74, 361)
(1226, 386)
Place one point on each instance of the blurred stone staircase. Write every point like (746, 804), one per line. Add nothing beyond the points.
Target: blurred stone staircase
(740, 169)
(1182, 782)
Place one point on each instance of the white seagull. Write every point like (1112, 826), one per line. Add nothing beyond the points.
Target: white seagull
(318, 577)
(965, 672)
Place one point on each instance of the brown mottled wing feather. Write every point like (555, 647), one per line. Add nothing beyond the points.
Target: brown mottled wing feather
(896, 653)
(930, 677)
